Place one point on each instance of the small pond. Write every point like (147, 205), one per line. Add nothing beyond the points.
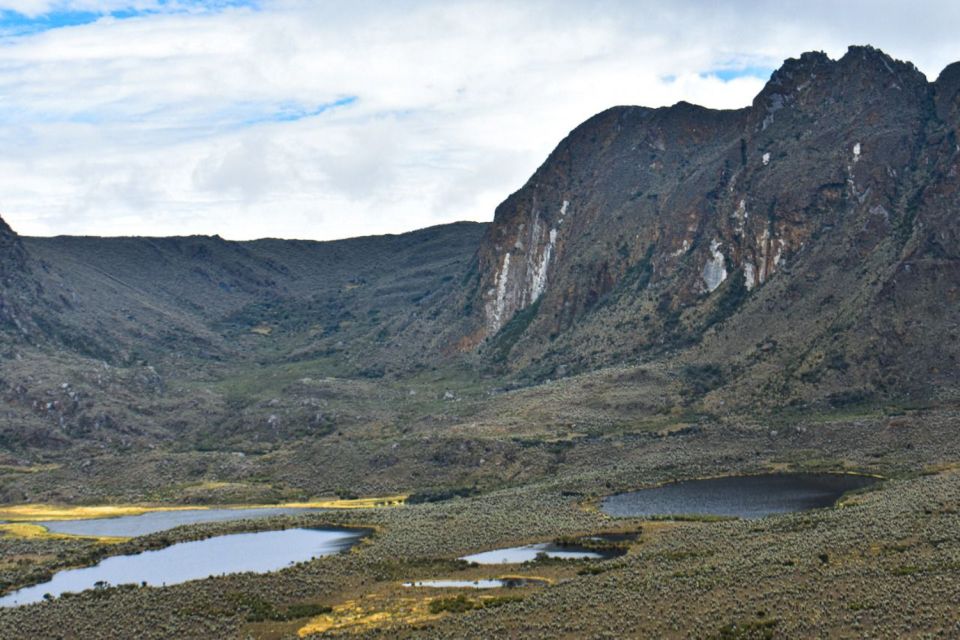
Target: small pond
(528, 553)
(154, 521)
(486, 583)
(457, 584)
(259, 552)
(738, 496)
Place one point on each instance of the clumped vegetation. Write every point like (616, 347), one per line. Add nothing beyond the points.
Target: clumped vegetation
(261, 610)
(701, 378)
(440, 495)
(689, 578)
(461, 603)
(762, 629)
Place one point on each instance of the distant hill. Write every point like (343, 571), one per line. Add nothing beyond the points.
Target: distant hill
(128, 299)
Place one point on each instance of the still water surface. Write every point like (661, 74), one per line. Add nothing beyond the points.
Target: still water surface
(457, 584)
(738, 496)
(527, 553)
(259, 552)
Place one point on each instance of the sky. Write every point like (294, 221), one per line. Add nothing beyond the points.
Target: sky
(323, 120)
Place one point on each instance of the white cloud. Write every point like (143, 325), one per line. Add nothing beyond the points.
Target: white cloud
(179, 122)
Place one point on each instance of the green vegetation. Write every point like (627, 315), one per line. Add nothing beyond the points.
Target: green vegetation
(511, 332)
(461, 603)
(261, 610)
(439, 495)
(732, 294)
(748, 630)
(702, 378)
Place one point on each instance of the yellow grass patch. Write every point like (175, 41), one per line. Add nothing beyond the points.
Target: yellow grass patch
(354, 503)
(37, 468)
(944, 467)
(27, 530)
(372, 612)
(34, 512)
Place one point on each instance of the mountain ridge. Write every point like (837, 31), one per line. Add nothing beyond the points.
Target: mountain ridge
(697, 210)
(801, 253)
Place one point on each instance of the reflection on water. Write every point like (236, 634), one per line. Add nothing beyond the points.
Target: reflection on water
(457, 584)
(738, 496)
(236, 553)
(527, 553)
(491, 583)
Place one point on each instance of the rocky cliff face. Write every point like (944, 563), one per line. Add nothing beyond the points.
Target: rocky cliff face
(18, 289)
(647, 228)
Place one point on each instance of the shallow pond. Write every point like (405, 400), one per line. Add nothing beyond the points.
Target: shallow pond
(486, 583)
(457, 584)
(527, 553)
(154, 521)
(259, 552)
(738, 496)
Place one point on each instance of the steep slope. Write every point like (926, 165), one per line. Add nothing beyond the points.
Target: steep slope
(807, 243)
(147, 298)
(19, 290)
(132, 342)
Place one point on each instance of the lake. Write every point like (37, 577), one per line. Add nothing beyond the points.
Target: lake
(259, 552)
(738, 496)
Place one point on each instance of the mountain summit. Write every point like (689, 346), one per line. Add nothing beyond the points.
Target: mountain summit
(815, 230)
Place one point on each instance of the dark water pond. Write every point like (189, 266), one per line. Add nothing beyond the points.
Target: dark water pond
(259, 552)
(154, 521)
(528, 553)
(740, 496)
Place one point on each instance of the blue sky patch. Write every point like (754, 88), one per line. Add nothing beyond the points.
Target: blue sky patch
(729, 74)
(293, 111)
(13, 23)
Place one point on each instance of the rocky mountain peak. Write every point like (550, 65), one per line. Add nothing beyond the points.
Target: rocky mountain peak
(947, 87)
(670, 220)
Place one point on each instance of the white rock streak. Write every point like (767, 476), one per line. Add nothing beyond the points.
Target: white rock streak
(715, 269)
(529, 278)
(500, 303)
(539, 282)
(749, 275)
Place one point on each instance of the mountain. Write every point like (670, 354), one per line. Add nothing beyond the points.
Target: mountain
(806, 246)
(140, 342)
(128, 299)
(797, 254)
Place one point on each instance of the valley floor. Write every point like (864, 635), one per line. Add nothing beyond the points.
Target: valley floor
(886, 564)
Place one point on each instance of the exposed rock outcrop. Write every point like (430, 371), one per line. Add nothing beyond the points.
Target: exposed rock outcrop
(647, 228)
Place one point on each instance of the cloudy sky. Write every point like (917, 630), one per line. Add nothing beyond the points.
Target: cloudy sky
(316, 119)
